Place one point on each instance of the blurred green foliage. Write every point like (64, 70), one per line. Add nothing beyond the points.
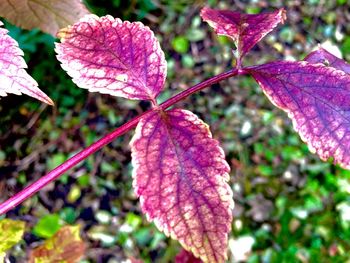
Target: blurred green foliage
(180, 44)
(47, 226)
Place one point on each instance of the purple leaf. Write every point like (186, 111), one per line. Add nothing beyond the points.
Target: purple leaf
(186, 257)
(110, 56)
(324, 57)
(181, 175)
(245, 29)
(13, 78)
(317, 99)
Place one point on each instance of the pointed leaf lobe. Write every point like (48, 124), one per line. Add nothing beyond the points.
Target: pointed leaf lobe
(13, 77)
(181, 175)
(322, 56)
(317, 99)
(245, 29)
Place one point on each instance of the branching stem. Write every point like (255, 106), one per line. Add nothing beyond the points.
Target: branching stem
(83, 154)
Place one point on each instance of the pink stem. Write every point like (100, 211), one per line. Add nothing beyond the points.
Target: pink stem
(61, 169)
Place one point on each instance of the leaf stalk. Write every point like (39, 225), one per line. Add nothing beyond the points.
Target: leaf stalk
(33, 188)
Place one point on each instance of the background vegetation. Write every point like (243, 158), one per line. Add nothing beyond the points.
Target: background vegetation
(290, 206)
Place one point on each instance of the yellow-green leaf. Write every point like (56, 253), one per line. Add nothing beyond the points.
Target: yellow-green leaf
(11, 232)
(65, 246)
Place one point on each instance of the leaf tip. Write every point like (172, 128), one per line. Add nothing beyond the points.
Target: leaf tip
(283, 14)
(50, 102)
(40, 95)
(63, 32)
(203, 11)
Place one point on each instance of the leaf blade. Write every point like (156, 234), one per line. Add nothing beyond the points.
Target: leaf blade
(322, 56)
(109, 56)
(49, 16)
(13, 77)
(188, 197)
(186, 257)
(317, 99)
(11, 232)
(65, 246)
(245, 29)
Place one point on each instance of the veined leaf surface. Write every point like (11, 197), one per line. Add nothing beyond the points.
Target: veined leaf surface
(322, 56)
(13, 77)
(114, 57)
(317, 99)
(49, 16)
(245, 29)
(180, 175)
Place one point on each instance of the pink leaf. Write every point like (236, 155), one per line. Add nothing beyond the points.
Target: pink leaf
(317, 99)
(110, 56)
(323, 56)
(180, 174)
(49, 16)
(135, 260)
(13, 78)
(245, 29)
(186, 257)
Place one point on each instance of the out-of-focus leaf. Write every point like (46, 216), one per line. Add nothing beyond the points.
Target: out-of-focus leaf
(47, 226)
(180, 174)
(74, 194)
(65, 246)
(49, 16)
(13, 78)
(114, 57)
(11, 232)
(68, 214)
(324, 57)
(245, 29)
(180, 44)
(186, 257)
(99, 233)
(135, 260)
(317, 99)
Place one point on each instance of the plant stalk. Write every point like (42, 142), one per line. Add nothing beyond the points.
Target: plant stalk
(83, 154)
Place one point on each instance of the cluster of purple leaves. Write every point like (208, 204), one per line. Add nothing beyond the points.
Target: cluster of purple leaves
(315, 92)
(180, 172)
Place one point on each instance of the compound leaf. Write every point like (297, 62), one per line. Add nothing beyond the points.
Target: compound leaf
(49, 16)
(317, 99)
(13, 78)
(322, 56)
(180, 175)
(11, 233)
(245, 29)
(110, 56)
(65, 246)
